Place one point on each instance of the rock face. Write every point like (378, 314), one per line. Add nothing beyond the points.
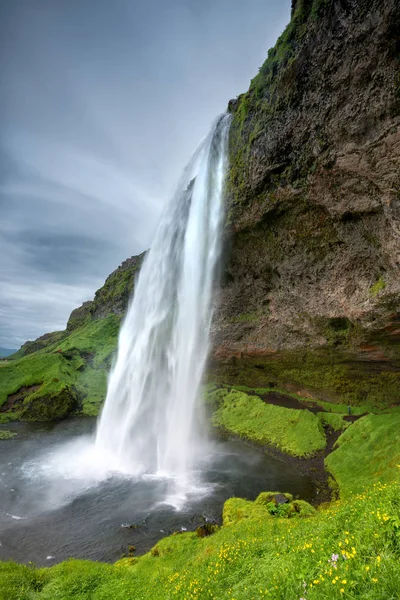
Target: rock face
(313, 197)
(112, 298)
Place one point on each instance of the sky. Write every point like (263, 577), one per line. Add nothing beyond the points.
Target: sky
(102, 105)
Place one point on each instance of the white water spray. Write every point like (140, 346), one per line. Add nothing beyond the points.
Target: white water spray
(148, 421)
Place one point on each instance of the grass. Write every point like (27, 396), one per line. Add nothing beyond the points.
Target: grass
(334, 420)
(327, 406)
(71, 373)
(295, 432)
(368, 451)
(349, 550)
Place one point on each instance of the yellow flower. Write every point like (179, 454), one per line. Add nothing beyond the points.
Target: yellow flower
(344, 581)
(367, 568)
(341, 590)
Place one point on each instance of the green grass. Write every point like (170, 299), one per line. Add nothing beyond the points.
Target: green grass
(295, 432)
(253, 557)
(70, 372)
(334, 420)
(327, 406)
(367, 452)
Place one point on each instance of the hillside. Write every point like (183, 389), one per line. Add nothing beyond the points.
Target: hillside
(65, 372)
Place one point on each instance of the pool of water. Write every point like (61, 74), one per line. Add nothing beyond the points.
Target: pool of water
(52, 507)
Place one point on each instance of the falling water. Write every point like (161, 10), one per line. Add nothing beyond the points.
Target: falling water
(148, 423)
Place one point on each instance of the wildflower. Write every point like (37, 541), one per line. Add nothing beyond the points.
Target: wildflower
(367, 568)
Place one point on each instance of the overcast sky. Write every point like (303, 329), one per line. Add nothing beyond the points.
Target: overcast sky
(102, 104)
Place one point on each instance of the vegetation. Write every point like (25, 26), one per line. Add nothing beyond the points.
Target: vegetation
(367, 452)
(378, 286)
(332, 373)
(295, 432)
(333, 420)
(348, 550)
(64, 377)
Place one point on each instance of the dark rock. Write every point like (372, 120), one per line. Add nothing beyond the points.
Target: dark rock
(279, 499)
(313, 203)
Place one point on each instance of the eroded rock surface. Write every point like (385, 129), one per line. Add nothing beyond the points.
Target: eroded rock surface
(313, 217)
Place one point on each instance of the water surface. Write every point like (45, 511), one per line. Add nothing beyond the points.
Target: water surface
(51, 511)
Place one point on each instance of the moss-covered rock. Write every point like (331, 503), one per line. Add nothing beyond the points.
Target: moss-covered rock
(275, 497)
(236, 509)
(53, 406)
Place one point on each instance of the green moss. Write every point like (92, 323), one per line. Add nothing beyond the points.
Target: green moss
(334, 374)
(329, 407)
(301, 509)
(378, 286)
(295, 432)
(49, 405)
(268, 497)
(333, 420)
(245, 318)
(368, 452)
(236, 509)
(71, 374)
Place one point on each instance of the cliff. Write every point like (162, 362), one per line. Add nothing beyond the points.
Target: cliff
(311, 290)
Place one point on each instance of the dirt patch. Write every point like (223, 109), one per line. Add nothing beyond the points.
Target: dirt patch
(279, 399)
(15, 400)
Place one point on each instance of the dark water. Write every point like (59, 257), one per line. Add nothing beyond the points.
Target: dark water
(48, 515)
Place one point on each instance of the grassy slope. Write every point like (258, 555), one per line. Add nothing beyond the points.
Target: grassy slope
(295, 432)
(71, 366)
(369, 451)
(79, 362)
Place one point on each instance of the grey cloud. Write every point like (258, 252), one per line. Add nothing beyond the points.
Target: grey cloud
(102, 105)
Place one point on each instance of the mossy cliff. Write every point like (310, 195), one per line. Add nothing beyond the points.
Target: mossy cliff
(65, 372)
(311, 287)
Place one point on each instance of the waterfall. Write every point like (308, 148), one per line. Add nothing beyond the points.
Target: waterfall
(148, 423)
